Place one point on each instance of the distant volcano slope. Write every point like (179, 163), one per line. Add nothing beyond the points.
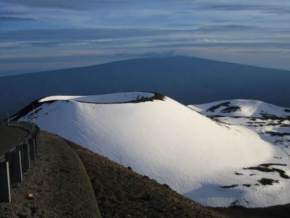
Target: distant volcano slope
(187, 79)
(167, 141)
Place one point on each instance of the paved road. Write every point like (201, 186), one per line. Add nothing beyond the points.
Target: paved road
(9, 137)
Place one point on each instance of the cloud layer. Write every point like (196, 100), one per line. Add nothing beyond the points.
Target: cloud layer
(38, 35)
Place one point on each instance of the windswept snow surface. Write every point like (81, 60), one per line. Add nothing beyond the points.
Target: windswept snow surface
(195, 155)
(272, 123)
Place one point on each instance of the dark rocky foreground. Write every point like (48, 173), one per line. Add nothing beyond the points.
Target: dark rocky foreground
(282, 211)
(57, 185)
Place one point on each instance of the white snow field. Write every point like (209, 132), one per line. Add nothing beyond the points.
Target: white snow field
(272, 123)
(211, 162)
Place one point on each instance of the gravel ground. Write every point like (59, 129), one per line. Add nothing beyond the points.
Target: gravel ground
(57, 185)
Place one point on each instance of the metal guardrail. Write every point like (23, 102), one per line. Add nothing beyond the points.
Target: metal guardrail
(15, 162)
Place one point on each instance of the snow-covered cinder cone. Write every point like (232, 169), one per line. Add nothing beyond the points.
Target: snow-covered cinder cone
(167, 141)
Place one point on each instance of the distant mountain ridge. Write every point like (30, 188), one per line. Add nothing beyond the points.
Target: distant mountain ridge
(189, 80)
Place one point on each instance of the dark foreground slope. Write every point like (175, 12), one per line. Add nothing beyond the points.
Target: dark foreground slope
(58, 182)
(189, 80)
(282, 211)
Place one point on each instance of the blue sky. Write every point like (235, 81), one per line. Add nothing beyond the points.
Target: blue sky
(50, 34)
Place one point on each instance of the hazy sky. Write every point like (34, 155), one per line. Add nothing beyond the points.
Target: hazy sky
(37, 35)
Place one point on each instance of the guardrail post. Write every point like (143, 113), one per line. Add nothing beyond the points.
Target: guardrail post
(31, 148)
(35, 144)
(15, 165)
(5, 193)
(25, 156)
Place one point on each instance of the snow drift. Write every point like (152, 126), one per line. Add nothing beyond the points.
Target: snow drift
(164, 140)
